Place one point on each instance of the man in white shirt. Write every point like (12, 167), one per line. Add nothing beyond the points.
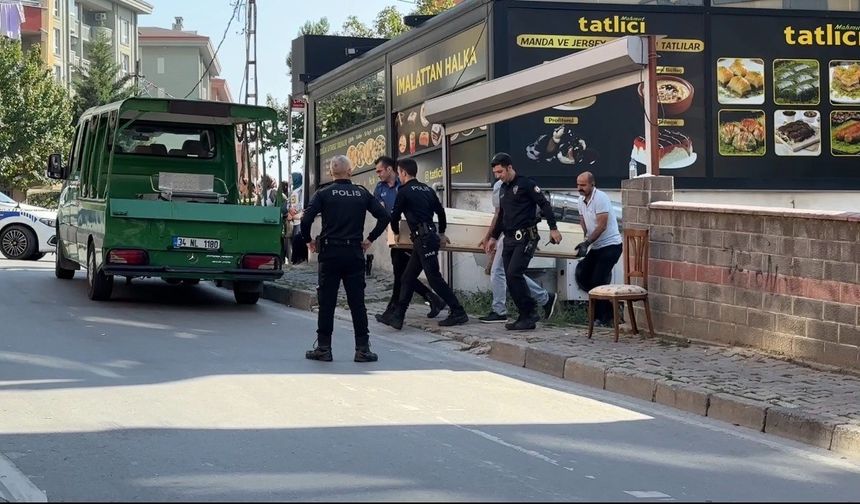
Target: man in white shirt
(600, 226)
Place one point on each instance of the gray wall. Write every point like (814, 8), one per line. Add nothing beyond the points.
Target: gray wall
(182, 66)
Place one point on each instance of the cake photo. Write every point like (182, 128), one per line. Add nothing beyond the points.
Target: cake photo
(675, 150)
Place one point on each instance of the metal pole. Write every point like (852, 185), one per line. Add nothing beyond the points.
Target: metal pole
(652, 129)
(446, 198)
(290, 140)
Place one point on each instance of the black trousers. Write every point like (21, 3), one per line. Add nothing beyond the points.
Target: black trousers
(516, 256)
(341, 263)
(425, 256)
(399, 260)
(595, 270)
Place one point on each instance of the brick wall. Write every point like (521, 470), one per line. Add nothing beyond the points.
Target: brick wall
(783, 280)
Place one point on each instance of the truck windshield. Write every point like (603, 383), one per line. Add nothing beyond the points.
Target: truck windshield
(166, 140)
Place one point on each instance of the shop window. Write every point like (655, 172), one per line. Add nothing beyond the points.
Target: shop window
(669, 3)
(351, 106)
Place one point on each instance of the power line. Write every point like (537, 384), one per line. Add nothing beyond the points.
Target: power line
(223, 37)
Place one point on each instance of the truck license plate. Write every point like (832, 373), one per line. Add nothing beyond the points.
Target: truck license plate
(196, 243)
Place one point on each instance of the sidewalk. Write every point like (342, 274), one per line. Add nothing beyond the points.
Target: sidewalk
(816, 406)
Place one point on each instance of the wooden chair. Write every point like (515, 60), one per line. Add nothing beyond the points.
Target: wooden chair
(635, 265)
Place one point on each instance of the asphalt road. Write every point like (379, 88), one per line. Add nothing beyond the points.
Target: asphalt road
(172, 393)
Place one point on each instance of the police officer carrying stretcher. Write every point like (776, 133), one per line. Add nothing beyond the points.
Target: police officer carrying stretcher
(419, 202)
(341, 248)
(517, 218)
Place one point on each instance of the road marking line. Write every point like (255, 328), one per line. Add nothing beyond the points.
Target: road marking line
(504, 443)
(15, 486)
(647, 494)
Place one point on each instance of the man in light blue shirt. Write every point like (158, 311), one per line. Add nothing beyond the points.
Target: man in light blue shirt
(600, 226)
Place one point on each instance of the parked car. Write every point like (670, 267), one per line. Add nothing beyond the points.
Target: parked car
(27, 232)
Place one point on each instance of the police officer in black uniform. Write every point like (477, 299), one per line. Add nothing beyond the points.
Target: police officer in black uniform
(518, 199)
(341, 250)
(419, 202)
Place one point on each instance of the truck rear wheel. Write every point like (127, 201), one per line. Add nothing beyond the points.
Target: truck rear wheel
(100, 286)
(246, 298)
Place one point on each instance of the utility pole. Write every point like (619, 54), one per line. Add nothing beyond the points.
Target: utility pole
(251, 90)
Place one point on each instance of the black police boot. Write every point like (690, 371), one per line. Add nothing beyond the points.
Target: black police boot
(522, 323)
(454, 318)
(437, 304)
(386, 315)
(363, 354)
(395, 320)
(320, 353)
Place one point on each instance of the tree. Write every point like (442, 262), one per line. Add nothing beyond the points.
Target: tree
(101, 82)
(432, 7)
(389, 23)
(278, 138)
(35, 116)
(353, 27)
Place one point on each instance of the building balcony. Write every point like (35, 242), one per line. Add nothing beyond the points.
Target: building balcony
(101, 31)
(33, 24)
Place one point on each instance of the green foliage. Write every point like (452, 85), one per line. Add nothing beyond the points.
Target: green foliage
(389, 23)
(101, 82)
(353, 27)
(278, 138)
(352, 105)
(35, 116)
(432, 7)
(46, 199)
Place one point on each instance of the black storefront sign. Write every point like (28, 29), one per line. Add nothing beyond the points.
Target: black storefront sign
(603, 133)
(440, 68)
(362, 146)
(469, 163)
(802, 125)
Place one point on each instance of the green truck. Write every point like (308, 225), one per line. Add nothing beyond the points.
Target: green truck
(151, 189)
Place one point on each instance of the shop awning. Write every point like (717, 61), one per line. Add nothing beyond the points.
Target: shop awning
(613, 65)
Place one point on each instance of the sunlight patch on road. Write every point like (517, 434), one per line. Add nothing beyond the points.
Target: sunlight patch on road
(295, 401)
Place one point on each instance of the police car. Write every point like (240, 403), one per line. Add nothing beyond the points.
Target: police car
(26, 232)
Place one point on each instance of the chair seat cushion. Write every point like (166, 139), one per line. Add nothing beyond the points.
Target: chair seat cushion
(618, 290)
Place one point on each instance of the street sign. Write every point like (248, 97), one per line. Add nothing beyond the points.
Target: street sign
(298, 105)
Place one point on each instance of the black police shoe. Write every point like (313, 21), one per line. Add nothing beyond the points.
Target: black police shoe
(522, 324)
(395, 320)
(320, 353)
(437, 304)
(363, 354)
(493, 318)
(386, 315)
(454, 319)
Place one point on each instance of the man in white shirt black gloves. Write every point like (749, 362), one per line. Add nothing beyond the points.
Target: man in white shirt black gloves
(602, 245)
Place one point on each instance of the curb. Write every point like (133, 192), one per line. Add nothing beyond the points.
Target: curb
(814, 430)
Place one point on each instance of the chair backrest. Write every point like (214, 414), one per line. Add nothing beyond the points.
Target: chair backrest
(636, 255)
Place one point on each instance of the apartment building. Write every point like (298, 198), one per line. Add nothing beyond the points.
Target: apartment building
(64, 29)
(177, 62)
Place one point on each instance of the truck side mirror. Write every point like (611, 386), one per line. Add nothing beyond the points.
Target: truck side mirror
(55, 167)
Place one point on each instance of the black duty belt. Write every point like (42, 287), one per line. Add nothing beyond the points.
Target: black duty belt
(424, 229)
(335, 241)
(518, 234)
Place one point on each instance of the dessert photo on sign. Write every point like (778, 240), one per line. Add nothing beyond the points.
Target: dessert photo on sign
(845, 82)
(740, 81)
(796, 82)
(797, 132)
(674, 95)
(742, 132)
(562, 145)
(675, 150)
(845, 132)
